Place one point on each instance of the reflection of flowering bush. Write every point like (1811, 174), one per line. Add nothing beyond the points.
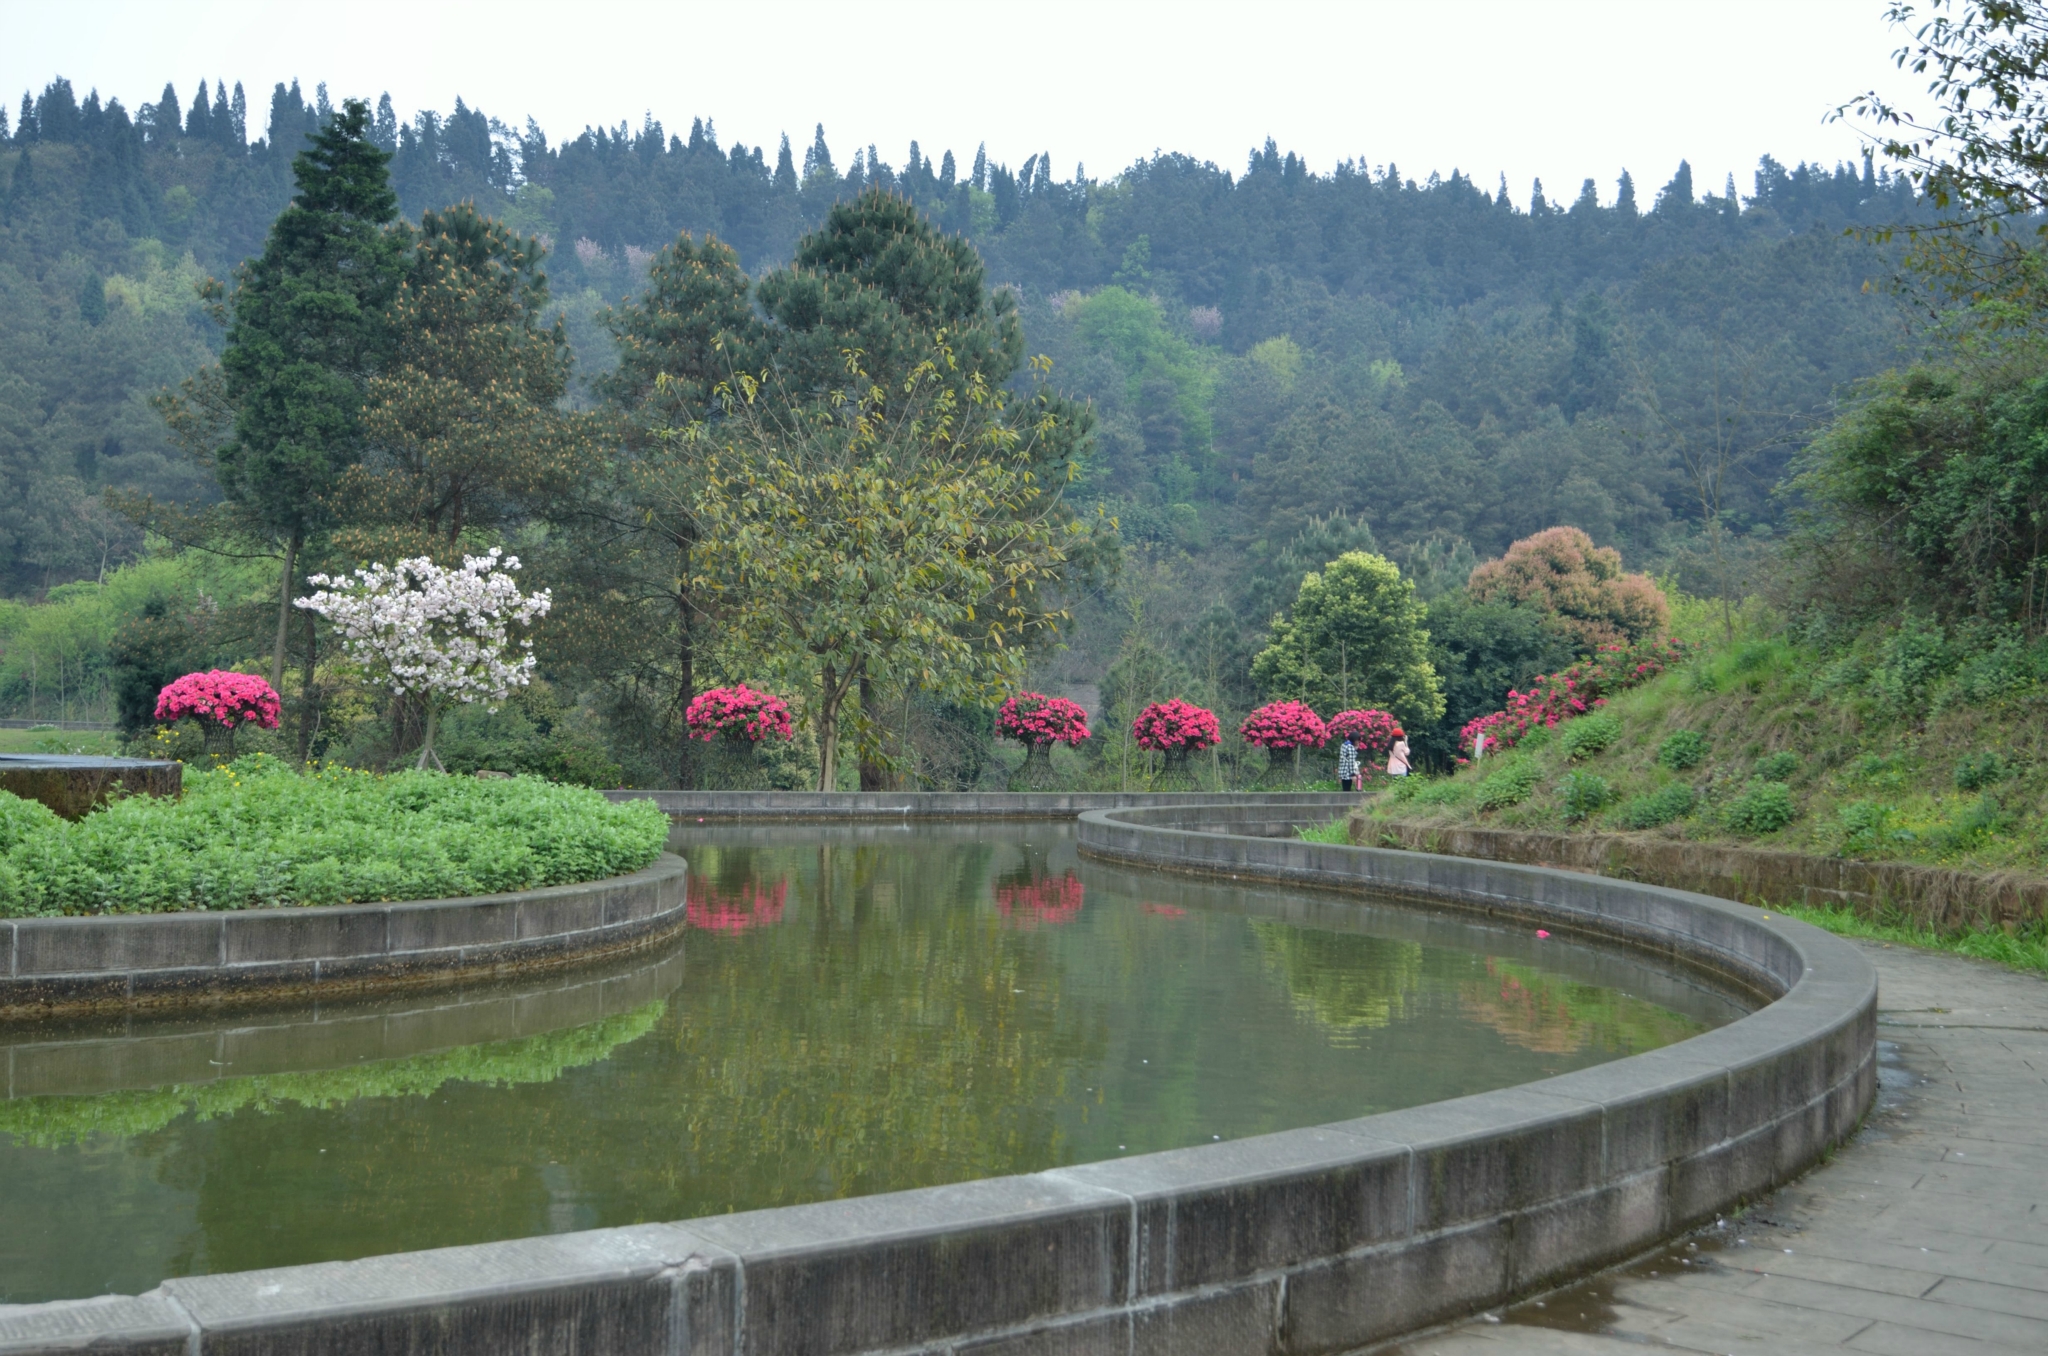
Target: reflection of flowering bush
(1176, 727)
(440, 635)
(1284, 725)
(1371, 731)
(738, 713)
(750, 906)
(221, 698)
(1034, 718)
(1557, 697)
(1041, 901)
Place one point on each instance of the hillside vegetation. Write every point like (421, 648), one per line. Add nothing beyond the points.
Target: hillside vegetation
(1904, 748)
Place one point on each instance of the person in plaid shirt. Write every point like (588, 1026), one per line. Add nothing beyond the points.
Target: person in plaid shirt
(1347, 764)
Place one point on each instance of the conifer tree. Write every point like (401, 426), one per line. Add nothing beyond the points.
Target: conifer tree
(307, 332)
(1625, 198)
(199, 122)
(785, 168)
(979, 178)
(818, 159)
(169, 112)
(238, 120)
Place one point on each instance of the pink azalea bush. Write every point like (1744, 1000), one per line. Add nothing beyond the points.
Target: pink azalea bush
(1176, 727)
(738, 713)
(1370, 730)
(218, 697)
(1557, 697)
(1038, 720)
(1278, 726)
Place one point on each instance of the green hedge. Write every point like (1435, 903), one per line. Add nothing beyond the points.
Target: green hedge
(257, 833)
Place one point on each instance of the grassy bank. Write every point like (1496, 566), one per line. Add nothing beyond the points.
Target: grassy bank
(1769, 743)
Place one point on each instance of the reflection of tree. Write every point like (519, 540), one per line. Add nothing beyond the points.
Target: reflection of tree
(1047, 899)
(47, 1122)
(1553, 1015)
(1344, 982)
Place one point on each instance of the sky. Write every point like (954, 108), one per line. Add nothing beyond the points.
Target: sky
(1563, 90)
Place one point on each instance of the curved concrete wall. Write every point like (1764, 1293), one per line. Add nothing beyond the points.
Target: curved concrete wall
(56, 966)
(841, 806)
(1311, 1241)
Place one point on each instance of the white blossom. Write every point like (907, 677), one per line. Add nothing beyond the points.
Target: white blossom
(441, 635)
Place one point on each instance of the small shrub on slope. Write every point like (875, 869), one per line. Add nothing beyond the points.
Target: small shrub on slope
(1683, 750)
(1658, 808)
(1589, 735)
(1764, 807)
(1585, 795)
(1509, 785)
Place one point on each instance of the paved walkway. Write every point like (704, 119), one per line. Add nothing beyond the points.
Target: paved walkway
(1927, 1234)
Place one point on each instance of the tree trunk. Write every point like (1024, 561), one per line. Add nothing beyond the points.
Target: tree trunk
(427, 745)
(309, 705)
(874, 775)
(686, 668)
(284, 609)
(829, 696)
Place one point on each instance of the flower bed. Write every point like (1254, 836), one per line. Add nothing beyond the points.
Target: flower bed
(257, 833)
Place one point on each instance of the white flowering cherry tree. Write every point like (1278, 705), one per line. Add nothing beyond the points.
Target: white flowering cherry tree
(441, 635)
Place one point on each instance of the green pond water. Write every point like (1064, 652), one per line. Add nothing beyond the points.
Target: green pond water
(853, 1010)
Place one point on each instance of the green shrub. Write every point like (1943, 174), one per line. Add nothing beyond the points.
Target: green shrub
(1336, 831)
(1777, 767)
(1509, 785)
(1437, 791)
(1764, 807)
(1585, 794)
(258, 833)
(1865, 825)
(1659, 807)
(1981, 820)
(1535, 739)
(1588, 735)
(1978, 770)
(1682, 750)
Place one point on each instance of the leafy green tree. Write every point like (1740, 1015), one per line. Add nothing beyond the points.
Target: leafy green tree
(1354, 637)
(914, 547)
(461, 429)
(1480, 650)
(308, 331)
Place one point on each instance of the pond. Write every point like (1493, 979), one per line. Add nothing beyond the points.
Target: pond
(853, 1010)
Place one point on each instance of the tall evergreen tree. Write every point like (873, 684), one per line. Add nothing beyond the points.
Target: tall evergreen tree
(199, 122)
(1625, 198)
(785, 168)
(308, 331)
(169, 118)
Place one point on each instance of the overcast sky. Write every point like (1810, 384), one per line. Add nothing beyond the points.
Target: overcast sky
(1564, 90)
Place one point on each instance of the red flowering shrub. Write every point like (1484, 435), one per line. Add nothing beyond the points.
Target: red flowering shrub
(738, 713)
(1557, 697)
(218, 697)
(1284, 725)
(1036, 719)
(1041, 901)
(1176, 727)
(1372, 731)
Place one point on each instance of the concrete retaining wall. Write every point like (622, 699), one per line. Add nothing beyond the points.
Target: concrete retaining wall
(841, 806)
(55, 966)
(1937, 897)
(1311, 1241)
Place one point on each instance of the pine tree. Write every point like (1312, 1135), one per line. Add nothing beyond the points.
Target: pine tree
(1537, 207)
(979, 178)
(818, 159)
(385, 133)
(785, 168)
(169, 117)
(25, 128)
(1625, 198)
(1676, 196)
(199, 122)
(238, 121)
(947, 173)
(308, 330)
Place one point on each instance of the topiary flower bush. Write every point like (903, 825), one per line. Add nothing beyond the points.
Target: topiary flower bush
(220, 701)
(1038, 722)
(739, 713)
(1281, 729)
(1176, 728)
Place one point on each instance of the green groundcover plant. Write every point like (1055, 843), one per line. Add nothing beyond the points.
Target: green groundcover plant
(257, 833)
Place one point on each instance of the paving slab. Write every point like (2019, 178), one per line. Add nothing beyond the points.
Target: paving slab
(1926, 1234)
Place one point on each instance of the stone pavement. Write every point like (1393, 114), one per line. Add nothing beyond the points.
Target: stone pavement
(1926, 1234)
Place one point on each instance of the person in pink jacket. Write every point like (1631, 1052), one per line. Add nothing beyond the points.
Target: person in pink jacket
(1397, 761)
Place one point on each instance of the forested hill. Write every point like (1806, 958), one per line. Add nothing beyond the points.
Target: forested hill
(1265, 347)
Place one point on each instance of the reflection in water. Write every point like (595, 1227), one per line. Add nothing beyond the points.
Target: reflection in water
(848, 1015)
(716, 908)
(1551, 1014)
(1029, 902)
(52, 1121)
(1343, 982)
